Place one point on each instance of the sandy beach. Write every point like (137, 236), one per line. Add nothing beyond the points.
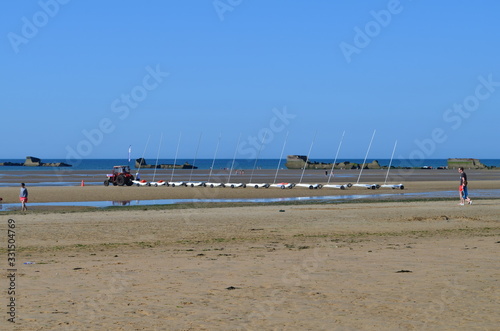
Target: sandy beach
(371, 265)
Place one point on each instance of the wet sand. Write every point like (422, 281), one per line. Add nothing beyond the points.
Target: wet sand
(364, 266)
(68, 175)
(414, 181)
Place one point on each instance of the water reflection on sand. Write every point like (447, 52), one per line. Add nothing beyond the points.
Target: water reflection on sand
(395, 196)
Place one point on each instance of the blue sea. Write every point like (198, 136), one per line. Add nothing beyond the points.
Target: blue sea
(106, 164)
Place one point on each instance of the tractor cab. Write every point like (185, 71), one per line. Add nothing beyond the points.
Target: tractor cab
(120, 176)
(121, 170)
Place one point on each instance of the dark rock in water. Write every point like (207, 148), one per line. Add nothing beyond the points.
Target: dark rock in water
(401, 271)
(35, 162)
(56, 164)
(11, 164)
(32, 161)
(141, 163)
(301, 161)
(455, 163)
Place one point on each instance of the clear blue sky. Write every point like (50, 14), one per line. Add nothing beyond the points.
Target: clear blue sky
(89, 78)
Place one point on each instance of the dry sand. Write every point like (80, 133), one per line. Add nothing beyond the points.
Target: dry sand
(359, 266)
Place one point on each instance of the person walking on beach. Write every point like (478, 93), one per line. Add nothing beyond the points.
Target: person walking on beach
(23, 197)
(464, 193)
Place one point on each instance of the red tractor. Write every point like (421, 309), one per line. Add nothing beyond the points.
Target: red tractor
(121, 176)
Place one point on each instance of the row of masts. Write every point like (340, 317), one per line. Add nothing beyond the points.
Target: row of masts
(209, 182)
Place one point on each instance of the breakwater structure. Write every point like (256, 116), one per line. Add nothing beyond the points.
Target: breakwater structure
(455, 163)
(35, 162)
(301, 161)
(141, 163)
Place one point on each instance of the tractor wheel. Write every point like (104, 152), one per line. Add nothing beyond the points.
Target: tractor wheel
(106, 182)
(129, 182)
(120, 180)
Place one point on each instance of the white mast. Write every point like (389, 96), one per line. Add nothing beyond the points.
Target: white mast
(215, 154)
(175, 159)
(258, 154)
(363, 165)
(157, 156)
(234, 157)
(195, 156)
(336, 155)
(390, 163)
(142, 158)
(281, 157)
(307, 158)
